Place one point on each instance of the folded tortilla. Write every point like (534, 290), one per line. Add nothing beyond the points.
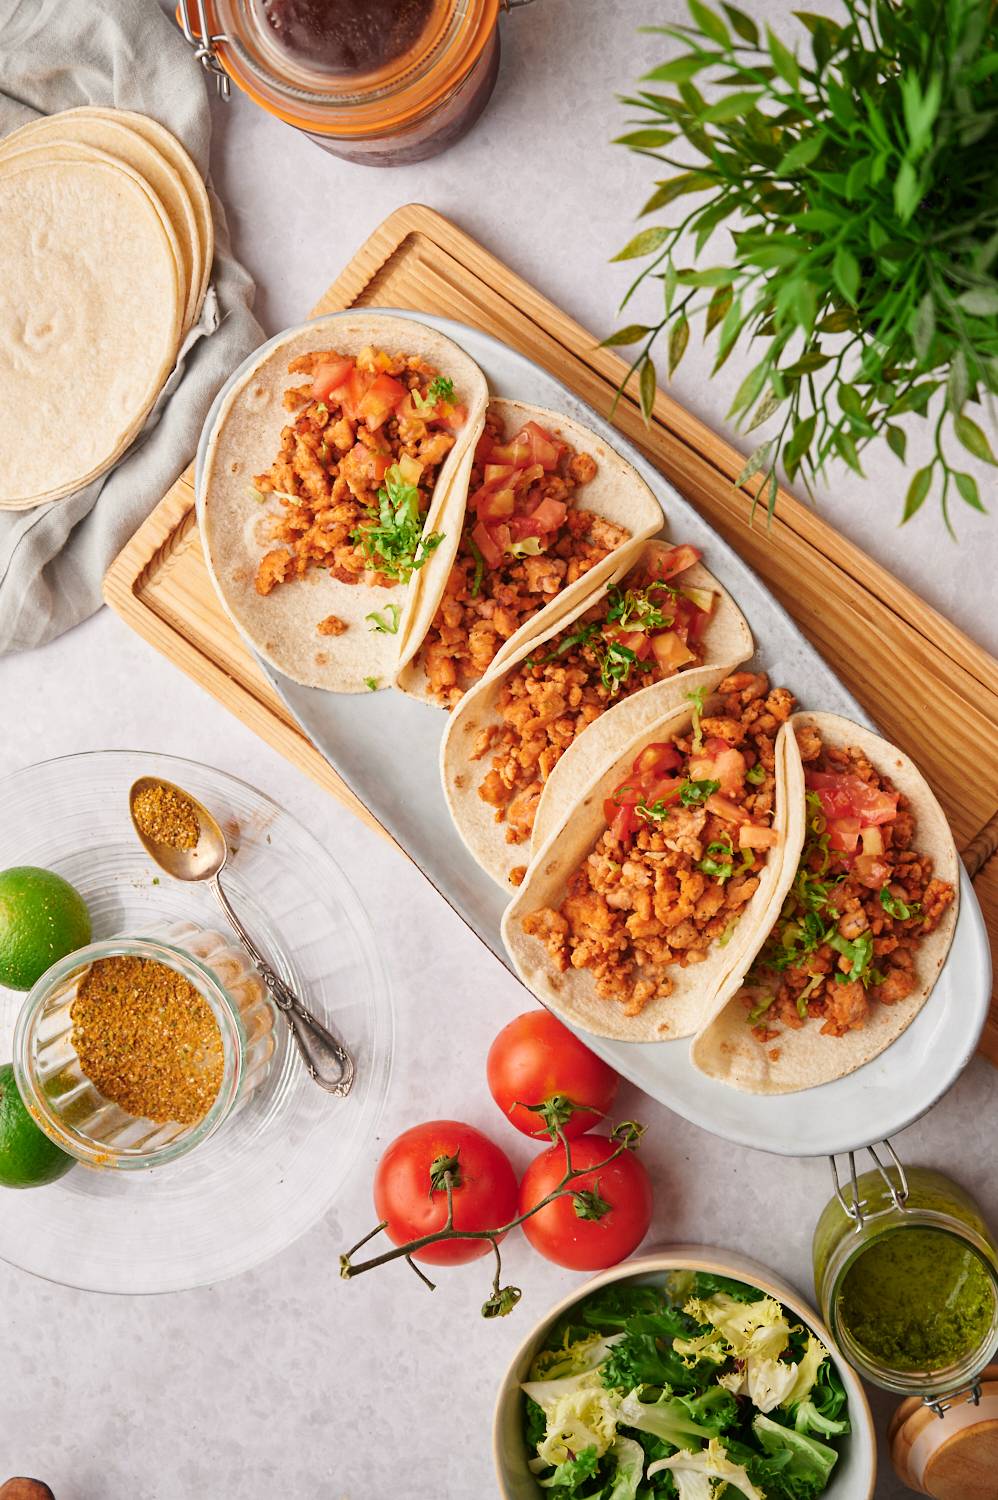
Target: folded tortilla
(282, 626)
(617, 493)
(572, 995)
(727, 642)
(801, 1059)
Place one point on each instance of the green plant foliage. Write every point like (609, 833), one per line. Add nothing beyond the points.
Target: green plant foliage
(855, 168)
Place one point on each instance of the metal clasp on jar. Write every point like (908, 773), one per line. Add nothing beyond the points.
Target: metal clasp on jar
(203, 41)
(856, 1209)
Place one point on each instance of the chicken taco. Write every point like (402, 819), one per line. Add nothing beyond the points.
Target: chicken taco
(328, 485)
(550, 509)
(864, 926)
(560, 704)
(635, 910)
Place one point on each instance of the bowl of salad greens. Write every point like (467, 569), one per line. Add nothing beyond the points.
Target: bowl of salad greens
(685, 1374)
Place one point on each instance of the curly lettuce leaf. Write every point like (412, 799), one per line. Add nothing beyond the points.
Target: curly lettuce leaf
(574, 1357)
(694, 1473)
(667, 1418)
(580, 1412)
(807, 1471)
(749, 1328)
(630, 1460)
(646, 1354)
(567, 1478)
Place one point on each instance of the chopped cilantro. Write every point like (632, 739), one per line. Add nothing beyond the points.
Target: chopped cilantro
(580, 637)
(653, 812)
(616, 663)
(693, 792)
(696, 697)
(394, 535)
(636, 610)
(439, 389)
(895, 907)
(381, 624)
(756, 774)
(372, 684)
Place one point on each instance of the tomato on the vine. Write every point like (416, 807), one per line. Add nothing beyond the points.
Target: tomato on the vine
(410, 1192)
(542, 1076)
(601, 1218)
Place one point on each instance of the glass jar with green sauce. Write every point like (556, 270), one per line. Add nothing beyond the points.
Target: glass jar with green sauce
(908, 1285)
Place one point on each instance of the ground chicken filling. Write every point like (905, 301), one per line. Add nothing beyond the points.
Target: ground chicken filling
(356, 469)
(524, 541)
(689, 833)
(863, 899)
(645, 629)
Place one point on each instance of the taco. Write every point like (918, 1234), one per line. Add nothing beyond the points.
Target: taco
(635, 909)
(561, 704)
(550, 508)
(863, 931)
(328, 484)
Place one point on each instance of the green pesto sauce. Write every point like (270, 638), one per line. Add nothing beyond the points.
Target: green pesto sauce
(917, 1299)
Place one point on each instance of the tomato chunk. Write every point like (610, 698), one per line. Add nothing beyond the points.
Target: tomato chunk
(380, 399)
(851, 798)
(671, 651)
(329, 377)
(659, 756)
(675, 561)
(843, 834)
(491, 550)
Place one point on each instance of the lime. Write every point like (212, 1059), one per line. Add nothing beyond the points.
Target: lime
(42, 918)
(27, 1156)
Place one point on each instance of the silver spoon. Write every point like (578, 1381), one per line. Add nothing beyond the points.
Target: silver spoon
(326, 1059)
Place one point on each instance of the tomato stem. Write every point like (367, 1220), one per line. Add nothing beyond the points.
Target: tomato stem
(626, 1136)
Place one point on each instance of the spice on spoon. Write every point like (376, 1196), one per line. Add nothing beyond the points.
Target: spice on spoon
(166, 815)
(147, 1039)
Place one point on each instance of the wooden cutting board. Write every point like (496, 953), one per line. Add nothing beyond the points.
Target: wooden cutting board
(927, 684)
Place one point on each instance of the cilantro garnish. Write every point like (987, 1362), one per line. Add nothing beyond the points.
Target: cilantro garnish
(616, 663)
(372, 684)
(580, 637)
(696, 697)
(439, 389)
(654, 812)
(635, 609)
(394, 535)
(756, 774)
(381, 624)
(895, 907)
(691, 793)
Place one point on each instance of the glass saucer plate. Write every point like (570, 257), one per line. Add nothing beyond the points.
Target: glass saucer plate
(278, 1165)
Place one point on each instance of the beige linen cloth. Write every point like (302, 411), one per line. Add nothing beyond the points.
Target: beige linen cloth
(59, 54)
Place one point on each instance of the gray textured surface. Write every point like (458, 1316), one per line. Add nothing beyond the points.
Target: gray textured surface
(288, 1383)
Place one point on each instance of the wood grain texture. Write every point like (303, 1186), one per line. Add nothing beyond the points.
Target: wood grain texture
(926, 683)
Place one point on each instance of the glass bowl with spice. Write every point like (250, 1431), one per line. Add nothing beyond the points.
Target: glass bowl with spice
(906, 1271)
(132, 1051)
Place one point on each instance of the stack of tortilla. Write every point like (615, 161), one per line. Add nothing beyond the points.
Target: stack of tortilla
(106, 246)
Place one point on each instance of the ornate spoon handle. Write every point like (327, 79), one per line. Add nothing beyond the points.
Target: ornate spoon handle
(326, 1059)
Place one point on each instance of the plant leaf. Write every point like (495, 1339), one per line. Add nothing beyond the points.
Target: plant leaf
(755, 461)
(783, 60)
(681, 69)
(644, 243)
(669, 282)
(973, 439)
(847, 449)
(917, 491)
(845, 269)
(980, 301)
(907, 191)
(897, 441)
(645, 140)
(646, 388)
(803, 153)
(731, 107)
(676, 187)
(967, 486)
(679, 337)
(710, 24)
(717, 307)
(742, 25)
(750, 388)
(628, 335)
(957, 383)
(924, 325)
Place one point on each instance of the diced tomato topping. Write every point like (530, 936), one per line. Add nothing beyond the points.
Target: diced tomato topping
(664, 790)
(495, 505)
(497, 473)
(548, 516)
(624, 824)
(628, 794)
(447, 414)
(851, 798)
(658, 756)
(633, 640)
(721, 762)
(531, 445)
(872, 871)
(722, 807)
(688, 620)
(675, 561)
(329, 377)
(843, 834)
(872, 840)
(380, 399)
(755, 836)
(491, 550)
(671, 651)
